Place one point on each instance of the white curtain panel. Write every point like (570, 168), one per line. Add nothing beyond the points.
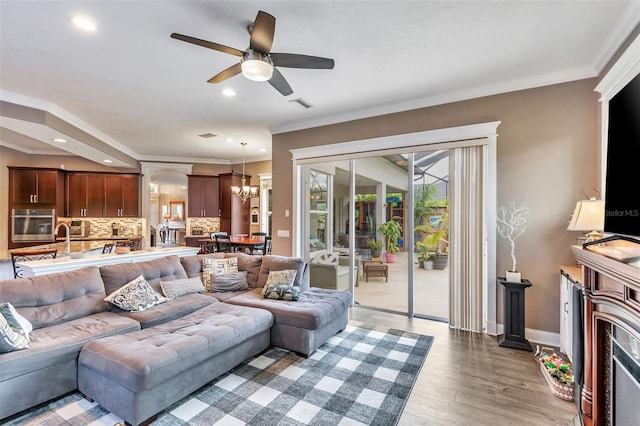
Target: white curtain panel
(466, 236)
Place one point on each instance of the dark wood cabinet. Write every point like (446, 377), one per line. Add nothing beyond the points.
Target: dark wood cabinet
(84, 195)
(203, 196)
(234, 214)
(36, 186)
(121, 195)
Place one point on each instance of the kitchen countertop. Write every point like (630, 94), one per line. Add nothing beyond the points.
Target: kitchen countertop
(76, 247)
(66, 263)
(121, 237)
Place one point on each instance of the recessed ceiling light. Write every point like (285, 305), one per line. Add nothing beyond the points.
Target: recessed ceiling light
(59, 140)
(83, 22)
(229, 92)
(228, 140)
(263, 149)
(107, 161)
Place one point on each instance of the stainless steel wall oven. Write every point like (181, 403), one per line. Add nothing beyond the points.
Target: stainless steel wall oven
(32, 225)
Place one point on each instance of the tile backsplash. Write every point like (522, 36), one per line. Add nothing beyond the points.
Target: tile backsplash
(208, 224)
(102, 227)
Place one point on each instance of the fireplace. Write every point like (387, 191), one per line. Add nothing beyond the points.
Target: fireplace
(611, 359)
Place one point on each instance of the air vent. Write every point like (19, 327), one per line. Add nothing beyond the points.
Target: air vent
(302, 103)
(207, 135)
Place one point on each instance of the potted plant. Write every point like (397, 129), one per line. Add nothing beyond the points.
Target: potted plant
(437, 242)
(511, 223)
(424, 257)
(392, 232)
(376, 248)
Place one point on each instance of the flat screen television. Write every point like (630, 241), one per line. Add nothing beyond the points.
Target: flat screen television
(622, 190)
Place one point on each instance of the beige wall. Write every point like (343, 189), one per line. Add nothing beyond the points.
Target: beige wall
(547, 156)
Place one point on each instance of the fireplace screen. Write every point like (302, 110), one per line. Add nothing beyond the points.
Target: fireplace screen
(626, 378)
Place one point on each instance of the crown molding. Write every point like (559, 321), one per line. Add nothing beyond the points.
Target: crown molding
(629, 20)
(440, 99)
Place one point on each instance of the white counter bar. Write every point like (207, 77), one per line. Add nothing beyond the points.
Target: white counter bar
(66, 263)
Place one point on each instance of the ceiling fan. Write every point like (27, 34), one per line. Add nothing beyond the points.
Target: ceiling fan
(257, 62)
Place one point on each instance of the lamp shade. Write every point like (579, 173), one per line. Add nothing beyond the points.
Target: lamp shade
(588, 216)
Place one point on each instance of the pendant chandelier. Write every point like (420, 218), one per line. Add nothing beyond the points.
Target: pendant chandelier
(245, 191)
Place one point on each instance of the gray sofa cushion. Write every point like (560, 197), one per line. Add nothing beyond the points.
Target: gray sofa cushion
(167, 311)
(314, 308)
(144, 359)
(52, 299)
(58, 343)
(278, 263)
(163, 269)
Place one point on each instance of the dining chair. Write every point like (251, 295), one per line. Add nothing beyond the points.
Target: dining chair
(28, 256)
(267, 245)
(213, 235)
(223, 243)
(259, 236)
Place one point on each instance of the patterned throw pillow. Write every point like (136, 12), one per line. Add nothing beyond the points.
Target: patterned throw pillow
(285, 277)
(233, 281)
(177, 288)
(14, 319)
(11, 339)
(282, 292)
(212, 266)
(135, 296)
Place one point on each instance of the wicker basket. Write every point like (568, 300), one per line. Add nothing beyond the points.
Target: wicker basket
(561, 390)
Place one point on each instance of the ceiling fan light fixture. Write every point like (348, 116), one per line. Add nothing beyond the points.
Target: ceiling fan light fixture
(256, 66)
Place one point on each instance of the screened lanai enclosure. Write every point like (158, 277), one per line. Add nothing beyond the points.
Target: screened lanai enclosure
(410, 189)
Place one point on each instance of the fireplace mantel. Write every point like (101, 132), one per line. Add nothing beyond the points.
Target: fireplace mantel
(612, 297)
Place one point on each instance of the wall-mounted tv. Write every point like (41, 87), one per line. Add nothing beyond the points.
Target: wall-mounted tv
(622, 190)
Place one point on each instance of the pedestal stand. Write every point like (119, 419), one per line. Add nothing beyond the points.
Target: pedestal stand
(514, 315)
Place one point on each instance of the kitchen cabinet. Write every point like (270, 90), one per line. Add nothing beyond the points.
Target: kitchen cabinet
(234, 214)
(84, 195)
(121, 195)
(30, 187)
(203, 196)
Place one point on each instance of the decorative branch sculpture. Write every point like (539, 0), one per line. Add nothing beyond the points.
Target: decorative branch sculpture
(512, 222)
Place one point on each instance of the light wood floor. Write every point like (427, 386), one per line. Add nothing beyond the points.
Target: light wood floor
(467, 379)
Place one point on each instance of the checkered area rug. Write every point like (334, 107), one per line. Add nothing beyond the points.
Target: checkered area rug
(358, 377)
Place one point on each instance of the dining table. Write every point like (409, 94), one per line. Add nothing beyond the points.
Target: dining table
(236, 243)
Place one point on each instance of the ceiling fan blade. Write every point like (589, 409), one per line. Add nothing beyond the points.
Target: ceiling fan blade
(280, 84)
(291, 60)
(208, 44)
(262, 32)
(228, 73)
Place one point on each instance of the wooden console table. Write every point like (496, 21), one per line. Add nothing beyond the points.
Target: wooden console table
(612, 300)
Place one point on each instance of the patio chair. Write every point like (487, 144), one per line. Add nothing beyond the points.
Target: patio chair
(325, 271)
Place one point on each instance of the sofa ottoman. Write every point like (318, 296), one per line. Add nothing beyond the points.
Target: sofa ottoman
(304, 325)
(137, 375)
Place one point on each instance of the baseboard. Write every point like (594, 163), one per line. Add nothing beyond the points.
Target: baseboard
(537, 336)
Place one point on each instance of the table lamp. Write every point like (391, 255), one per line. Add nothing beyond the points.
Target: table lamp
(588, 216)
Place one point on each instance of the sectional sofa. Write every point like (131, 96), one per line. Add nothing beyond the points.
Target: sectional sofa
(135, 364)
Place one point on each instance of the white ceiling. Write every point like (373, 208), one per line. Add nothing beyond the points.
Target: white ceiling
(134, 88)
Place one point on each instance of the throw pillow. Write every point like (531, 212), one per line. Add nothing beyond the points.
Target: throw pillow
(10, 339)
(177, 288)
(282, 292)
(213, 266)
(14, 319)
(135, 296)
(233, 281)
(285, 277)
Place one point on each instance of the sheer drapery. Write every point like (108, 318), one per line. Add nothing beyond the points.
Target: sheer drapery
(466, 238)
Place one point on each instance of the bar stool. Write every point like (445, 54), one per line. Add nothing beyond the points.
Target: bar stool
(28, 256)
(108, 248)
